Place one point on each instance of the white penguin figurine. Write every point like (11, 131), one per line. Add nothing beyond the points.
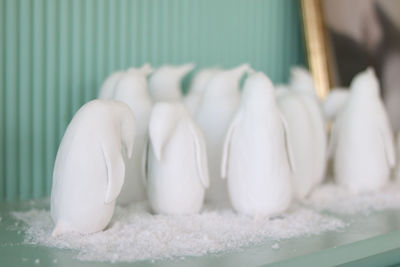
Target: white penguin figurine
(220, 102)
(177, 172)
(306, 131)
(256, 154)
(302, 81)
(89, 168)
(196, 91)
(301, 134)
(165, 83)
(361, 139)
(334, 103)
(107, 88)
(132, 89)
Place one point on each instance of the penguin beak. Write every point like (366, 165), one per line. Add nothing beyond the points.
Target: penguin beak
(185, 69)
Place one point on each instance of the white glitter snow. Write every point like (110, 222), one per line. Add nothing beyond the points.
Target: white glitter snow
(135, 234)
(275, 246)
(333, 198)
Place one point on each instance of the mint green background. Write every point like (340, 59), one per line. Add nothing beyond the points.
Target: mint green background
(54, 55)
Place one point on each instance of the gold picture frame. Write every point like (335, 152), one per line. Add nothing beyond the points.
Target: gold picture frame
(316, 45)
(344, 38)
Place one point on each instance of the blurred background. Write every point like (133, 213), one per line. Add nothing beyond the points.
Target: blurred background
(364, 33)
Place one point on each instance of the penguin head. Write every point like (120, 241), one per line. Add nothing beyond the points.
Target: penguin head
(301, 80)
(127, 124)
(181, 71)
(239, 71)
(225, 82)
(108, 86)
(168, 78)
(365, 84)
(201, 79)
(163, 121)
(258, 91)
(146, 69)
(133, 84)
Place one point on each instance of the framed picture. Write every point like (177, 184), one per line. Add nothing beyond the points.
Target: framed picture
(345, 37)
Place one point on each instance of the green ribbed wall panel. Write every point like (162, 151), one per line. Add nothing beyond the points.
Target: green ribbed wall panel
(54, 56)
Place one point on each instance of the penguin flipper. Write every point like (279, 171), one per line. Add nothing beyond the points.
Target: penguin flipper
(287, 144)
(162, 124)
(388, 144)
(115, 173)
(226, 146)
(200, 154)
(145, 161)
(332, 140)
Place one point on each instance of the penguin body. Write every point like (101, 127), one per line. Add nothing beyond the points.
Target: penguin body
(361, 142)
(89, 169)
(177, 172)
(256, 154)
(132, 89)
(165, 83)
(220, 102)
(306, 131)
(195, 95)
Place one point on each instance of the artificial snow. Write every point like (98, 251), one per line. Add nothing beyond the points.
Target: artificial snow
(136, 234)
(335, 199)
(275, 246)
